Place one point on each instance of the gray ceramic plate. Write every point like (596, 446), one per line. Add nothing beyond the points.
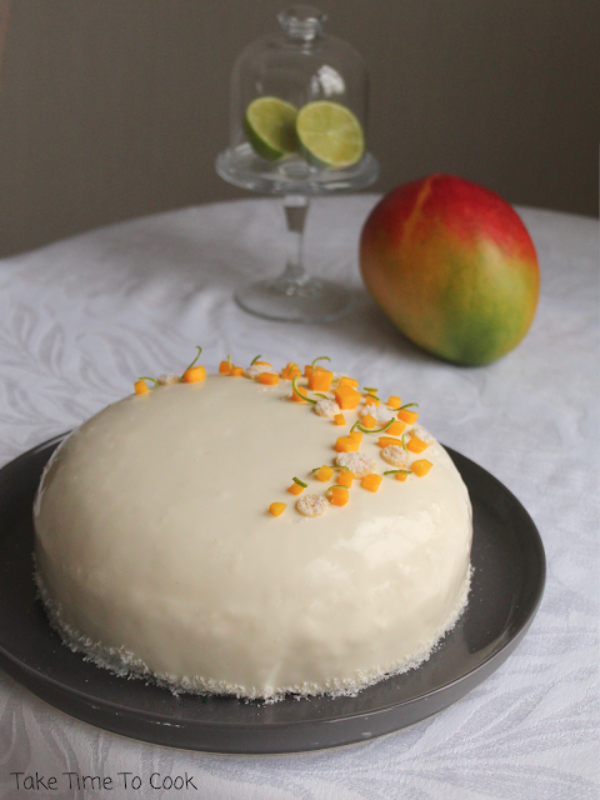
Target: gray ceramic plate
(508, 581)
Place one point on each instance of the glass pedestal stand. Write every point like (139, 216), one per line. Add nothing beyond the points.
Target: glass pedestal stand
(294, 296)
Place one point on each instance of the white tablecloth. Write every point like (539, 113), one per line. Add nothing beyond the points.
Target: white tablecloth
(81, 319)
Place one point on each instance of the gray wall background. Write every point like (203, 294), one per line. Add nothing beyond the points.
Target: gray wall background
(110, 109)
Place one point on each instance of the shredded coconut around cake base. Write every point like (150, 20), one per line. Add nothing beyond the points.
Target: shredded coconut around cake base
(122, 663)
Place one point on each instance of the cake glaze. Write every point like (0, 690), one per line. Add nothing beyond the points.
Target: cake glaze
(156, 555)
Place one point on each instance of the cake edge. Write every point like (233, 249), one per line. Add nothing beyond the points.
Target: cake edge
(124, 664)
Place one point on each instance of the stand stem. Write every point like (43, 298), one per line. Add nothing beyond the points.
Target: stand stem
(296, 209)
(294, 296)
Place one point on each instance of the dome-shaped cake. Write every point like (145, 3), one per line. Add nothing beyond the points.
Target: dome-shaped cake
(170, 542)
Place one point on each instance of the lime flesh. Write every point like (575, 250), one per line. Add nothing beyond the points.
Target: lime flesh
(269, 124)
(329, 134)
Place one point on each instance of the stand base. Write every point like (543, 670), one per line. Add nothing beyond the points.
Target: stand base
(315, 300)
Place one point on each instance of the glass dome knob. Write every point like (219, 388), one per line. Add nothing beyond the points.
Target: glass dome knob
(302, 22)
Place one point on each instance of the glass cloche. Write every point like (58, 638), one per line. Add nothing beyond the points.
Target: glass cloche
(297, 129)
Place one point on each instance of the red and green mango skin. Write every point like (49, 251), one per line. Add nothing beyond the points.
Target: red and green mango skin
(453, 267)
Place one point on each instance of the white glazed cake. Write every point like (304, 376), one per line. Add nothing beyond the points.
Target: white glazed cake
(168, 545)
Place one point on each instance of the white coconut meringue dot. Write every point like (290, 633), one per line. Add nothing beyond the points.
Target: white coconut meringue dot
(422, 434)
(395, 455)
(381, 413)
(312, 505)
(168, 379)
(326, 408)
(358, 463)
(257, 369)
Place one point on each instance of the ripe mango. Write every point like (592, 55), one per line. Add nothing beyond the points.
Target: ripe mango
(453, 267)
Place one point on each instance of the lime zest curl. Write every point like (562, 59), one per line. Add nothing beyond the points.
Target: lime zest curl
(362, 428)
(146, 378)
(408, 405)
(199, 349)
(369, 389)
(300, 483)
(336, 486)
(320, 358)
(299, 392)
(255, 359)
(396, 471)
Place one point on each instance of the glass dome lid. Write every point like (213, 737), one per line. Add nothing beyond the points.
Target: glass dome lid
(298, 105)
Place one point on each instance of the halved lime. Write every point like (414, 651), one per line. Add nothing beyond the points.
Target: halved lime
(269, 125)
(329, 134)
